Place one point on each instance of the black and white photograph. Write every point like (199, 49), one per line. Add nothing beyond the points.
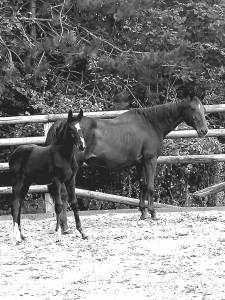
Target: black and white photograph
(112, 149)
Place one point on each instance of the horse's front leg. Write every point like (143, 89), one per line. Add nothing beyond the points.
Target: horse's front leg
(143, 184)
(55, 192)
(147, 188)
(63, 217)
(70, 186)
(150, 168)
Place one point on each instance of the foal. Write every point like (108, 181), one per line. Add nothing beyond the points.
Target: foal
(45, 165)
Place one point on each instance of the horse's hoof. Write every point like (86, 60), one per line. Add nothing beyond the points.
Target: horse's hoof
(23, 237)
(58, 236)
(144, 217)
(67, 231)
(18, 242)
(58, 240)
(84, 237)
(153, 216)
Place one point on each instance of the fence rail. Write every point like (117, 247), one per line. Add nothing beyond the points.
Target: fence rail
(46, 119)
(180, 159)
(88, 194)
(172, 135)
(99, 114)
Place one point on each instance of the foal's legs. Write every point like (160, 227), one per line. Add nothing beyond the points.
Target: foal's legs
(55, 191)
(147, 188)
(20, 189)
(63, 216)
(70, 186)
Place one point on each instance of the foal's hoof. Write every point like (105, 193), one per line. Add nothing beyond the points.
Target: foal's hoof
(18, 243)
(58, 240)
(58, 236)
(84, 237)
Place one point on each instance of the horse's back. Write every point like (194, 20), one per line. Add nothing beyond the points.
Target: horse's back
(29, 154)
(20, 153)
(18, 159)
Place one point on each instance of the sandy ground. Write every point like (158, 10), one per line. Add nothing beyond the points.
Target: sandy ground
(180, 256)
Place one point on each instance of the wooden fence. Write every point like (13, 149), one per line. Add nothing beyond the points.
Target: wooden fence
(48, 119)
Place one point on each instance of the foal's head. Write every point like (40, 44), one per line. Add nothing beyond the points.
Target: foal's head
(194, 115)
(74, 130)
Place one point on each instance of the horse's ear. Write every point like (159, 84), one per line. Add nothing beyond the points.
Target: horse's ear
(80, 115)
(70, 116)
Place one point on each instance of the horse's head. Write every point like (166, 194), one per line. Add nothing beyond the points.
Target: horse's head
(74, 129)
(194, 115)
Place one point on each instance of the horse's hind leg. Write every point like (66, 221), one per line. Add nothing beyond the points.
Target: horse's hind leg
(16, 219)
(150, 168)
(70, 186)
(147, 188)
(20, 189)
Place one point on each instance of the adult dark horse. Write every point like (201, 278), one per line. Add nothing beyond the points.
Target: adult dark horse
(46, 165)
(135, 138)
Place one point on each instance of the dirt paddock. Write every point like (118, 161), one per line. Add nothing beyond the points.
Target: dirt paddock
(180, 256)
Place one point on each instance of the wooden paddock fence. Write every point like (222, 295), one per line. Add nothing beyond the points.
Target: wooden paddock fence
(47, 121)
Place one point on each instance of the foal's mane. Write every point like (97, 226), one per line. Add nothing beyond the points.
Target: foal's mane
(59, 131)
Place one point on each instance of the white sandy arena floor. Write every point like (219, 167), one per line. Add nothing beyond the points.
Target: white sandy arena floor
(180, 256)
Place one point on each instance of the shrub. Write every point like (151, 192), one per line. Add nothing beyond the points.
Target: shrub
(176, 183)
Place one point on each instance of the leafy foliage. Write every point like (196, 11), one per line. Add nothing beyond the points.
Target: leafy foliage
(157, 50)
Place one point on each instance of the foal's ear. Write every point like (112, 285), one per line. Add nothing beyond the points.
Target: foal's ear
(80, 115)
(70, 116)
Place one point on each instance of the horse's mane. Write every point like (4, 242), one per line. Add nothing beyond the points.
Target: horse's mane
(162, 110)
(56, 132)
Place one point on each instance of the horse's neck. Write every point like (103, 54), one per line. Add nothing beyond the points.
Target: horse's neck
(67, 147)
(87, 124)
(166, 118)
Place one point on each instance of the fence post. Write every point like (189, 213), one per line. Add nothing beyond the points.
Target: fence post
(49, 203)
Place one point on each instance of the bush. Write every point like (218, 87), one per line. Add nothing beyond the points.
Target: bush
(176, 183)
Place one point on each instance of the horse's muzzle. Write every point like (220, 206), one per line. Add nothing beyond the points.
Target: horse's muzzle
(202, 132)
(81, 147)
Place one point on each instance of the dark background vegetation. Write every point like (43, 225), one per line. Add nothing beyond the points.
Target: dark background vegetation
(110, 55)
